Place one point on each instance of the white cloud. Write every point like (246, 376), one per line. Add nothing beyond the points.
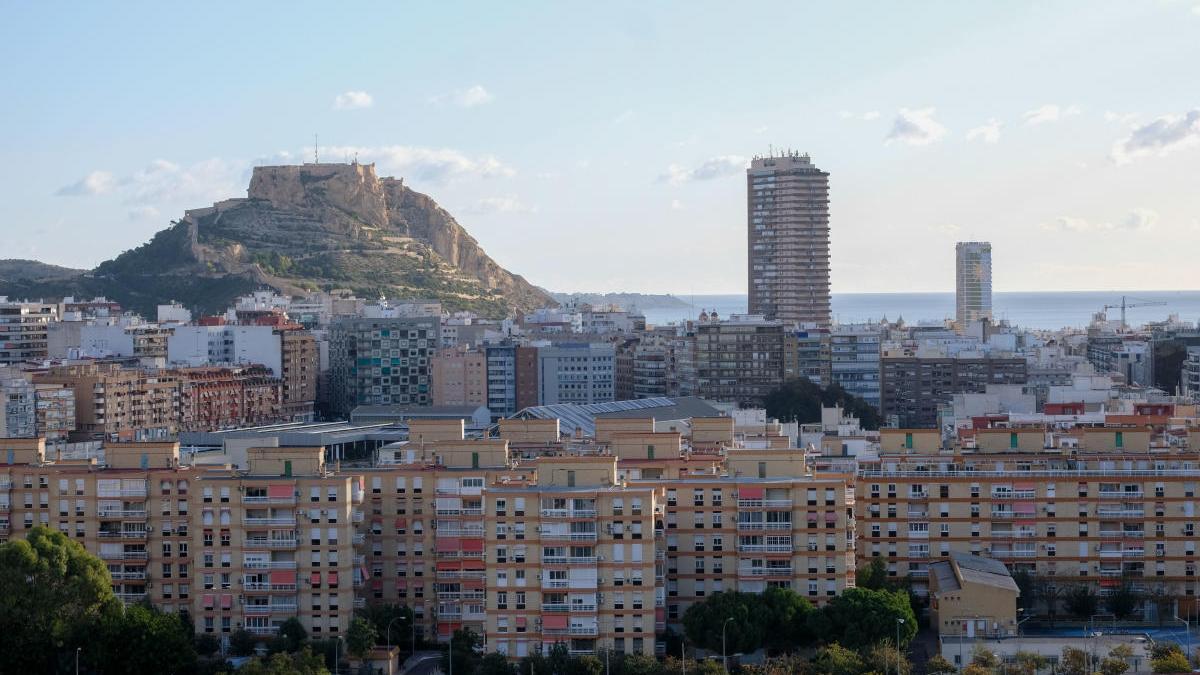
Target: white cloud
(95, 183)
(916, 127)
(1137, 220)
(1159, 137)
(163, 181)
(1050, 113)
(470, 97)
(1120, 118)
(713, 167)
(505, 204)
(868, 116)
(430, 164)
(676, 205)
(352, 100)
(988, 133)
(144, 212)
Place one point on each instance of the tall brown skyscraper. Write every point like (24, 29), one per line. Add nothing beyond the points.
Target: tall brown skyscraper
(788, 225)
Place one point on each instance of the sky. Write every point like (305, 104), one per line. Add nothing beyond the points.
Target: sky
(602, 146)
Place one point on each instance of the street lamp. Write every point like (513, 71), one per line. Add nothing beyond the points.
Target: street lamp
(450, 651)
(389, 633)
(1019, 629)
(1187, 627)
(724, 655)
(899, 622)
(683, 654)
(77, 650)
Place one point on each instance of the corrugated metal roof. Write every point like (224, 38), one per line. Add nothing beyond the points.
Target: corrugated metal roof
(583, 416)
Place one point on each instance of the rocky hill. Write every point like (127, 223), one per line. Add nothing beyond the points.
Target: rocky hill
(299, 229)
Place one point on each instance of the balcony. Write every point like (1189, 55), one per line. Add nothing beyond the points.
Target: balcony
(918, 574)
(123, 534)
(764, 503)
(131, 514)
(269, 520)
(124, 492)
(1111, 572)
(263, 586)
(270, 543)
(269, 564)
(1133, 553)
(555, 583)
(765, 548)
(765, 571)
(358, 516)
(1003, 514)
(778, 526)
(5, 484)
(1120, 534)
(1019, 553)
(131, 597)
(262, 630)
(1119, 512)
(359, 538)
(273, 608)
(1121, 494)
(570, 536)
(360, 603)
(573, 630)
(564, 607)
(568, 513)
(289, 501)
(128, 576)
(459, 532)
(460, 574)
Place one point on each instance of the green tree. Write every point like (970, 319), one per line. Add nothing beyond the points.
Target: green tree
(984, 658)
(1029, 663)
(138, 639)
(800, 400)
(705, 621)
(50, 587)
(790, 664)
(495, 663)
(1123, 601)
(292, 635)
(1113, 666)
(874, 576)
(835, 659)
(360, 638)
(861, 617)
(976, 669)
(242, 642)
(1074, 661)
(463, 651)
(1027, 586)
(785, 619)
(207, 644)
(399, 617)
(586, 665)
(639, 664)
(882, 658)
(1081, 602)
(304, 662)
(1174, 662)
(938, 665)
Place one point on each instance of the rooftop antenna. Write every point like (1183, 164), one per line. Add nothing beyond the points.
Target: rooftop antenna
(316, 151)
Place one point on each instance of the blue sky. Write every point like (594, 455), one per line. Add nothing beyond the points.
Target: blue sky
(600, 146)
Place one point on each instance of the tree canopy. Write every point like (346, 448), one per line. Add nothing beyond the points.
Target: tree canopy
(800, 400)
(51, 588)
(777, 619)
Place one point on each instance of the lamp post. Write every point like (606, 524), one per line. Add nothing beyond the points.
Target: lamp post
(1019, 631)
(683, 654)
(389, 634)
(1187, 627)
(899, 622)
(77, 650)
(450, 651)
(724, 654)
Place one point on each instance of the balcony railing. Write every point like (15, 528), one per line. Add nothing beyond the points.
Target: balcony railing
(1118, 534)
(555, 583)
(764, 525)
(131, 597)
(570, 536)
(764, 503)
(269, 520)
(469, 511)
(765, 571)
(139, 514)
(128, 576)
(568, 513)
(1117, 512)
(1120, 494)
(573, 630)
(262, 586)
(123, 555)
(270, 543)
(269, 500)
(568, 607)
(123, 492)
(123, 534)
(765, 548)
(262, 630)
(269, 564)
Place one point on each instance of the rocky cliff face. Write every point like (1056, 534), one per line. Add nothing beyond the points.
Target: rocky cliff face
(303, 228)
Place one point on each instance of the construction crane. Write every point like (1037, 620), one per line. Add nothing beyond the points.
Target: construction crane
(1126, 305)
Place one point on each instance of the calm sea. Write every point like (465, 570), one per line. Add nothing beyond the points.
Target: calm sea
(1047, 310)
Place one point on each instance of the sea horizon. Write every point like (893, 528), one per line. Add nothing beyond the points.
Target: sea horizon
(1038, 310)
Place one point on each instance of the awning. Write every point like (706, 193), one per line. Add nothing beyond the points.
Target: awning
(315, 579)
(281, 491)
(333, 579)
(1028, 508)
(401, 583)
(522, 621)
(554, 621)
(448, 544)
(830, 517)
(448, 565)
(377, 584)
(207, 601)
(472, 545)
(749, 493)
(284, 577)
(474, 565)
(401, 523)
(812, 516)
(226, 601)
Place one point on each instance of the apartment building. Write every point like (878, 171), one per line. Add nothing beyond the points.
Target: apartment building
(973, 283)
(117, 403)
(741, 359)
(459, 377)
(814, 359)
(914, 388)
(227, 398)
(300, 367)
(24, 328)
(788, 239)
(383, 361)
(225, 546)
(576, 372)
(18, 405)
(854, 354)
(1189, 380)
(1115, 509)
(512, 378)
